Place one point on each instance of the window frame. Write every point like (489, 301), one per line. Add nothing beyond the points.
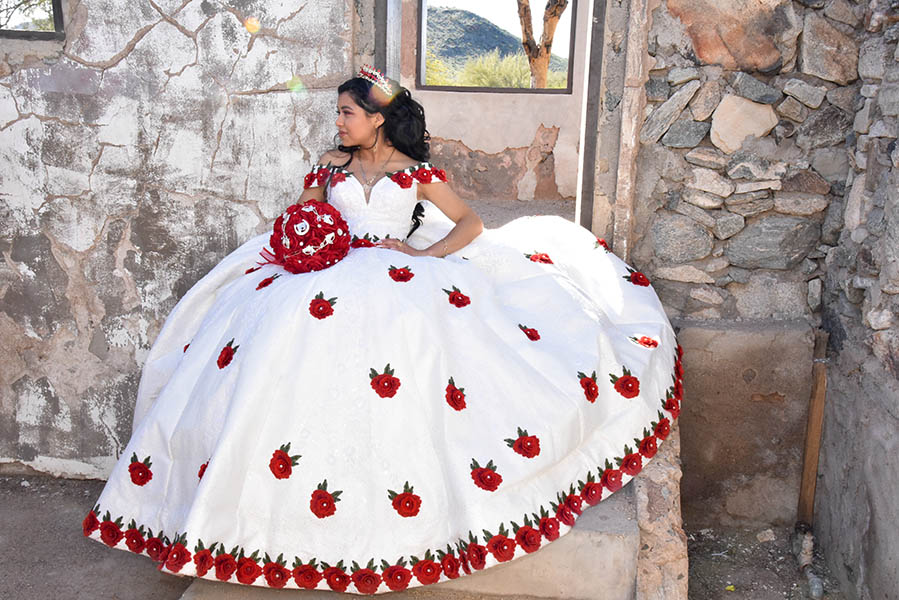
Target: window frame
(58, 32)
(422, 53)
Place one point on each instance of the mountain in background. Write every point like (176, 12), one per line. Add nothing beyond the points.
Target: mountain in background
(455, 36)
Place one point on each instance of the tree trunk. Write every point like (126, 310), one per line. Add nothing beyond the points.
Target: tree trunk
(539, 54)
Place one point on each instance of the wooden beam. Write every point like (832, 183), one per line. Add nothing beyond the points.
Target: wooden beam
(806, 511)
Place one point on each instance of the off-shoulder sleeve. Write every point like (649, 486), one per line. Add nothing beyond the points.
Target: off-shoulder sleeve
(425, 172)
(316, 177)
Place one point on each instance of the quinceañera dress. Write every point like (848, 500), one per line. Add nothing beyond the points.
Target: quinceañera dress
(391, 421)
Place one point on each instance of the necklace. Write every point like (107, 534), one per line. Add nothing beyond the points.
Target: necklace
(366, 181)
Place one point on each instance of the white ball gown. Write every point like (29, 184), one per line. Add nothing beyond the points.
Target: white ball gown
(391, 421)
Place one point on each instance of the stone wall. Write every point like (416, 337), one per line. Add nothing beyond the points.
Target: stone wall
(859, 478)
(136, 154)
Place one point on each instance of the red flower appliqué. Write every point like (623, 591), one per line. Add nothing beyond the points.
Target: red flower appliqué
(591, 491)
(306, 576)
(337, 178)
(90, 523)
(225, 566)
(324, 503)
(407, 503)
(457, 298)
(540, 257)
(455, 397)
(275, 573)
(423, 175)
(248, 570)
(203, 561)
(252, 270)
(134, 538)
(500, 545)
(365, 580)
(227, 354)
(385, 384)
(632, 462)
(636, 277)
(111, 531)
(321, 308)
(402, 179)
(532, 333)
(282, 462)
(526, 445)
(647, 446)
(267, 281)
(450, 565)
(662, 428)
(627, 385)
(549, 526)
(485, 477)
(156, 550)
(140, 470)
(601, 242)
(588, 384)
(672, 406)
(336, 577)
(439, 174)
(308, 180)
(202, 470)
(645, 341)
(401, 274)
(364, 242)
(477, 556)
(177, 558)
(611, 478)
(527, 538)
(426, 571)
(397, 577)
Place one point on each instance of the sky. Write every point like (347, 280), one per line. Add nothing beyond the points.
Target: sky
(504, 14)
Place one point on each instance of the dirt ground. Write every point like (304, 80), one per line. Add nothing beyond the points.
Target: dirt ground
(43, 554)
(734, 564)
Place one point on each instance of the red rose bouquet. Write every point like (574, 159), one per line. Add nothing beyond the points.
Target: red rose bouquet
(308, 237)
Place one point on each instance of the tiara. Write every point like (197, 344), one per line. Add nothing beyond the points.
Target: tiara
(376, 77)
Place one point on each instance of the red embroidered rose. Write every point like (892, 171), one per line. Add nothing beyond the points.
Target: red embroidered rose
(501, 547)
(402, 179)
(248, 570)
(477, 556)
(134, 539)
(385, 384)
(678, 369)
(673, 407)
(202, 470)
(678, 390)
(140, 470)
(528, 538)
(463, 561)
(110, 533)
(648, 447)
(450, 565)
(592, 493)
(532, 333)
(321, 308)
(455, 397)
(573, 502)
(336, 578)
(397, 577)
(406, 504)
(362, 242)
(226, 354)
(177, 558)
(282, 462)
(632, 463)
(549, 527)
(366, 581)
(308, 180)
(638, 278)
(588, 384)
(662, 429)
(602, 242)
(324, 503)
(611, 479)
(267, 281)
(426, 571)
(457, 298)
(90, 523)
(322, 176)
(337, 178)
(680, 351)
(627, 385)
(225, 566)
(540, 257)
(276, 576)
(526, 445)
(647, 341)
(156, 550)
(564, 515)
(307, 576)
(486, 477)
(186, 346)
(401, 274)
(203, 561)
(251, 270)
(439, 174)
(423, 175)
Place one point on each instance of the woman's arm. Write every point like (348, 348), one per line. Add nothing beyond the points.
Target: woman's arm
(468, 223)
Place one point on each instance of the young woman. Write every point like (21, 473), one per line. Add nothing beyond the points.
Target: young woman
(435, 403)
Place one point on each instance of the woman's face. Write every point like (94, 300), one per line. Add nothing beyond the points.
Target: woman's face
(355, 126)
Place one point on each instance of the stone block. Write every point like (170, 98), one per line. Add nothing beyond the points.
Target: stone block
(793, 109)
(810, 95)
(746, 165)
(685, 134)
(842, 11)
(815, 287)
(773, 242)
(843, 98)
(707, 180)
(728, 225)
(862, 122)
(750, 208)
(683, 273)
(755, 186)
(657, 89)
(799, 203)
(706, 100)
(872, 58)
(737, 118)
(884, 128)
(751, 88)
(826, 127)
(696, 213)
(753, 381)
(677, 239)
(702, 199)
(831, 163)
(679, 75)
(662, 117)
(710, 158)
(826, 52)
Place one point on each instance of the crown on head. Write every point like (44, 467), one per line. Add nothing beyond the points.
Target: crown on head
(376, 77)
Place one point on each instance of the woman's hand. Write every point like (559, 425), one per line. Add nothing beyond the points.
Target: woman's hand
(399, 246)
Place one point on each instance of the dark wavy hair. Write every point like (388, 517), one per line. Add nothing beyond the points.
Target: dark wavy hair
(404, 124)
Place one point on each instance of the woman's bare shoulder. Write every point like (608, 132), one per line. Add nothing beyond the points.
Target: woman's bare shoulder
(334, 156)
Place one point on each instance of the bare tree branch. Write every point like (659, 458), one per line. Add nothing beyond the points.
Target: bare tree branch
(539, 55)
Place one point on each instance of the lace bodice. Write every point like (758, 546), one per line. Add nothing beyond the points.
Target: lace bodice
(388, 211)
